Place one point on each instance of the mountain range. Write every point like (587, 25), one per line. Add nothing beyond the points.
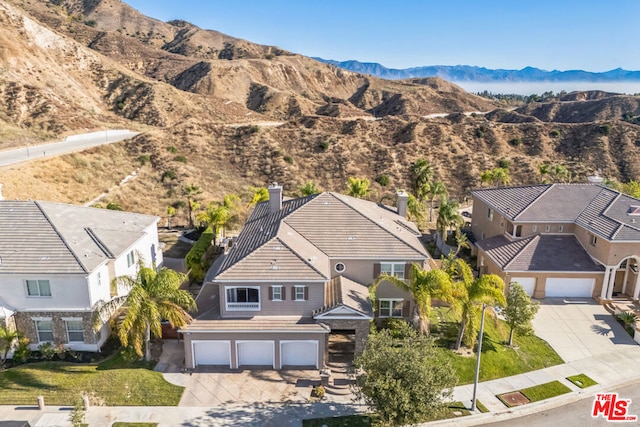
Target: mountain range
(463, 73)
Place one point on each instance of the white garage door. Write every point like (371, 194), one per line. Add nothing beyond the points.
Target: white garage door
(259, 353)
(528, 283)
(564, 287)
(299, 353)
(212, 353)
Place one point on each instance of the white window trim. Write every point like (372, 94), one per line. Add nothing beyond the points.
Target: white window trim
(547, 228)
(43, 319)
(66, 326)
(561, 229)
(280, 289)
(391, 301)
(26, 285)
(490, 214)
(594, 239)
(249, 306)
(131, 259)
(297, 288)
(394, 265)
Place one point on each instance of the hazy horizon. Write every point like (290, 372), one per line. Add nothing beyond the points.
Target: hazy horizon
(530, 88)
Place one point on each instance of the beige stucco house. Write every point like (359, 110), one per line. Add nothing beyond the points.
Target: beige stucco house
(560, 240)
(57, 261)
(298, 274)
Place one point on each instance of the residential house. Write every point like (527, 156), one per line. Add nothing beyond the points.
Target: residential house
(298, 275)
(560, 240)
(57, 261)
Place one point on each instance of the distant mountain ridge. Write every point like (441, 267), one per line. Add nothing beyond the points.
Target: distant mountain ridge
(462, 73)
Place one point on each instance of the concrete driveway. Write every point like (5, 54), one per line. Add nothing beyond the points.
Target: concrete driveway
(576, 329)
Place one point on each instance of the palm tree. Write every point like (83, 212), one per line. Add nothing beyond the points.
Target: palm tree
(423, 285)
(153, 296)
(448, 216)
(415, 209)
(190, 191)
(358, 187)
(501, 176)
(421, 172)
(436, 190)
(308, 189)
(544, 170)
(8, 339)
(486, 177)
(469, 295)
(260, 194)
(219, 216)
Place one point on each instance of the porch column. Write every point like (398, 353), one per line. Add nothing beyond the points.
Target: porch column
(612, 283)
(626, 276)
(605, 283)
(636, 289)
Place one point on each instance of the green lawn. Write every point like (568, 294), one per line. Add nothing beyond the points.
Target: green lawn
(582, 381)
(112, 383)
(498, 360)
(545, 391)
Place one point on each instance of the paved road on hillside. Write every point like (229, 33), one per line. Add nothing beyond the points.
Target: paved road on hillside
(69, 145)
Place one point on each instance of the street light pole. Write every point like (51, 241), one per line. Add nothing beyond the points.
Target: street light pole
(475, 383)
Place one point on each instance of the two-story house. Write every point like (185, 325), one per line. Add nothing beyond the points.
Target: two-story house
(560, 240)
(299, 271)
(57, 261)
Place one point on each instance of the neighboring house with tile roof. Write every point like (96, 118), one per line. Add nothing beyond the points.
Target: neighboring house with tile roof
(58, 260)
(560, 240)
(297, 277)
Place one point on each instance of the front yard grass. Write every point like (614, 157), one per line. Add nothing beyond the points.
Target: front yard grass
(582, 381)
(545, 391)
(113, 382)
(498, 360)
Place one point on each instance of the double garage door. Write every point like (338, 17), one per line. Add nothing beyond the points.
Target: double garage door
(256, 353)
(556, 287)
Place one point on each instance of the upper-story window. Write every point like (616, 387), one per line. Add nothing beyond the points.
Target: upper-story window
(534, 228)
(393, 269)
(131, 258)
(300, 293)
(547, 228)
(44, 330)
(490, 214)
(38, 288)
(594, 240)
(243, 298)
(560, 228)
(277, 293)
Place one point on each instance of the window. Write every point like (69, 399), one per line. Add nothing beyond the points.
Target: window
(300, 293)
(131, 259)
(75, 330)
(490, 214)
(44, 330)
(594, 240)
(547, 228)
(623, 264)
(276, 293)
(393, 269)
(560, 228)
(243, 298)
(38, 288)
(391, 307)
(340, 267)
(534, 228)
(99, 278)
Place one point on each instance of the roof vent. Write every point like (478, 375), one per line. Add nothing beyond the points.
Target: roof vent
(351, 237)
(278, 248)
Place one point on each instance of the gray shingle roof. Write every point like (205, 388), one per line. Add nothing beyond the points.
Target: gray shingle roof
(510, 201)
(56, 238)
(539, 253)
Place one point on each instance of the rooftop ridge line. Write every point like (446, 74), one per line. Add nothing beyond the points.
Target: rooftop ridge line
(103, 247)
(534, 238)
(550, 186)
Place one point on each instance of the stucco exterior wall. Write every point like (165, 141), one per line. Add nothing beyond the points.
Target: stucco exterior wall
(68, 292)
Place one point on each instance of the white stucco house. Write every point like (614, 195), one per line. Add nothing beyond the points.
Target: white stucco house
(57, 261)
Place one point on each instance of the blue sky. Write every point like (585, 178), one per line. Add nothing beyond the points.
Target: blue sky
(593, 35)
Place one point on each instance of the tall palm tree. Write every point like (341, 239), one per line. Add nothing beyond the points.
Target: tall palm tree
(219, 216)
(415, 209)
(358, 187)
(469, 295)
(190, 191)
(436, 190)
(153, 296)
(423, 285)
(421, 173)
(448, 216)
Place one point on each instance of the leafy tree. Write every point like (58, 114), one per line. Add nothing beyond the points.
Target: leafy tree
(218, 216)
(190, 191)
(423, 285)
(8, 340)
(112, 206)
(415, 209)
(358, 187)
(462, 241)
(260, 194)
(496, 176)
(308, 189)
(631, 188)
(448, 216)
(421, 173)
(153, 296)
(519, 311)
(403, 379)
(437, 190)
(171, 211)
(469, 294)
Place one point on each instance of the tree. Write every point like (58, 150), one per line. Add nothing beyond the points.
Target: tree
(260, 194)
(423, 285)
(415, 209)
(358, 187)
(462, 241)
(496, 176)
(153, 296)
(469, 294)
(171, 211)
(519, 311)
(404, 380)
(308, 189)
(190, 191)
(421, 173)
(448, 216)
(8, 339)
(436, 190)
(220, 215)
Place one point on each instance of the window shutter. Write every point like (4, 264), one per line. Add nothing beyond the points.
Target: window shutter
(407, 270)
(306, 293)
(376, 270)
(293, 293)
(270, 293)
(283, 292)
(405, 308)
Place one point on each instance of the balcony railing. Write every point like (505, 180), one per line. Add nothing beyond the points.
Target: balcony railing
(243, 306)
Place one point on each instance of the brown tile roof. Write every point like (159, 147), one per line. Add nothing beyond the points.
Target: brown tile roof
(342, 292)
(542, 252)
(257, 324)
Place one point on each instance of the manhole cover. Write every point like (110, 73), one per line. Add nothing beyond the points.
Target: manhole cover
(514, 398)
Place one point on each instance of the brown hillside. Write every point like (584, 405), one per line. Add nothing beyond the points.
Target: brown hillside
(583, 107)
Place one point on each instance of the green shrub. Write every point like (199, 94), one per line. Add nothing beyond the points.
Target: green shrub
(144, 159)
(172, 149)
(604, 129)
(47, 350)
(504, 163)
(479, 133)
(182, 159)
(554, 133)
(90, 23)
(120, 105)
(114, 206)
(254, 129)
(168, 174)
(383, 180)
(195, 259)
(516, 142)
(22, 352)
(288, 159)
(323, 146)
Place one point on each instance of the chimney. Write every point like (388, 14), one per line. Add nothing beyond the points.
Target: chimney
(275, 197)
(403, 199)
